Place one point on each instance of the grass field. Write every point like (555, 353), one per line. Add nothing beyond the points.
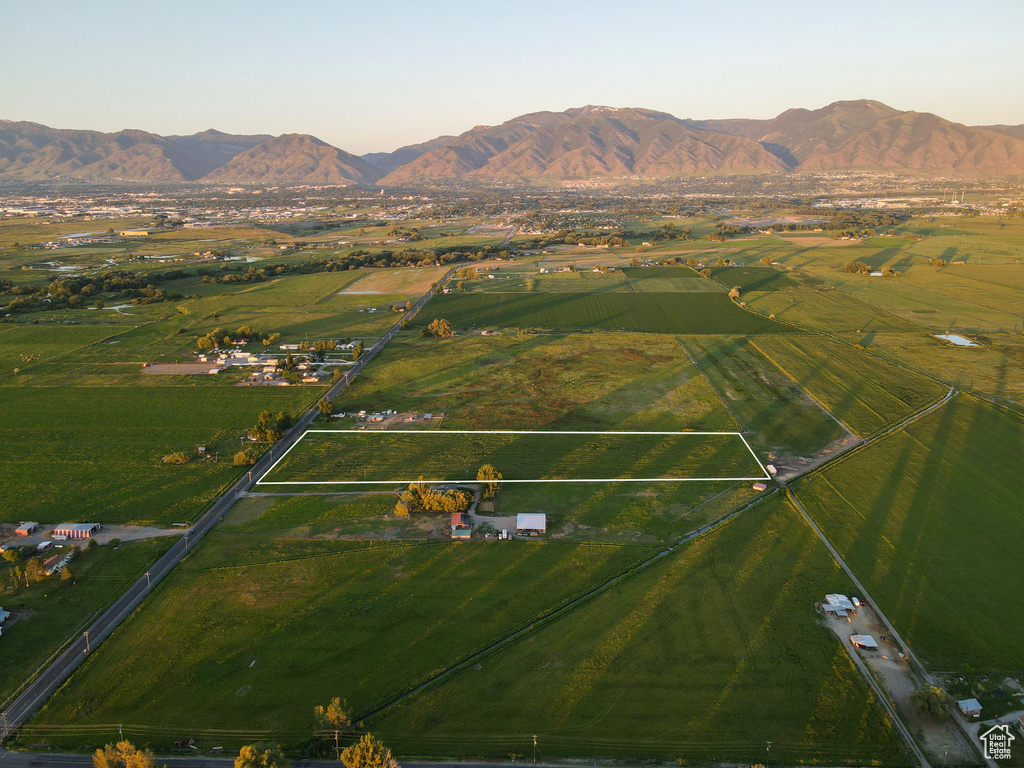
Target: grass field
(266, 628)
(580, 381)
(49, 612)
(353, 456)
(95, 454)
(828, 312)
(864, 393)
(930, 519)
(683, 313)
(704, 657)
(768, 403)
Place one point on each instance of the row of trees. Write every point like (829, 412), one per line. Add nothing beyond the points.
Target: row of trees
(270, 428)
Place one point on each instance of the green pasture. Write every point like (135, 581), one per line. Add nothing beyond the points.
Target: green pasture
(770, 405)
(704, 657)
(266, 628)
(930, 519)
(682, 313)
(863, 392)
(50, 612)
(388, 457)
(578, 381)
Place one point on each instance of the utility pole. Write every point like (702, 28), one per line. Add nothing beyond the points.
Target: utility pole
(534, 748)
(148, 582)
(86, 641)
(4, 715)
(120, 732)
(769, 752)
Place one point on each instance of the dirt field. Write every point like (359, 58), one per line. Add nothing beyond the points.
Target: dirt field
(177, 368)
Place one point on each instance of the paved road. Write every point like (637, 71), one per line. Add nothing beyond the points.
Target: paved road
(64, 760)
(40, 689)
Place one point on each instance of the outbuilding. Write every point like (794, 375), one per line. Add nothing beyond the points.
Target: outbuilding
(531, 523)
(4, 615)
(26, 529)
(76, 530)
(864, 642)
(970, 707)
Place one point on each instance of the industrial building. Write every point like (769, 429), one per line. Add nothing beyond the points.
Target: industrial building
(76, 530)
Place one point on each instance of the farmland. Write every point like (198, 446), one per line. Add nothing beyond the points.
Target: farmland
(47, 614)
(683, 313)
(317, 616)
(930, 519)
(864, 394)
(347, 456)
(710, 652)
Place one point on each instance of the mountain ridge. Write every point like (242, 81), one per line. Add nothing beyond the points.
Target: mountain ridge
(588, 142)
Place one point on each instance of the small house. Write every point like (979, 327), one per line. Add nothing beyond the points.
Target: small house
(759, 486)
(970, 707)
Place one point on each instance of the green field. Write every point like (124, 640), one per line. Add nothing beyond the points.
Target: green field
(765, 401)
(863, 392)
(46, 614)
(581, 381)
(703, 657)
(683, 313)
(930, 519)
(266, 628)
(387, 457)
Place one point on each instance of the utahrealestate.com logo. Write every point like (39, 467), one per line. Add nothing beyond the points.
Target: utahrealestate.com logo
(996, 741)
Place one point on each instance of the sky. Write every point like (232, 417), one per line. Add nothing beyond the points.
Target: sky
(375, 76)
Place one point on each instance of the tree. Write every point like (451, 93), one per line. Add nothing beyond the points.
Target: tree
(461, 285)
(333, 717)
(260, 756)
(368, 752)
(175, 458)
(271, 339)
(358, 351)
(65, 575)
(124, 754)
(932, 701)
(408, 305)
(244, 458)
(735, 292)
(705, 272)
(34, 570)
(490, 476)
(12, 555)
(325, 406)
(766, 260)
(440, 328)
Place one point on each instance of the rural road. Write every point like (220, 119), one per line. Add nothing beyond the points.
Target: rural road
(42, 687)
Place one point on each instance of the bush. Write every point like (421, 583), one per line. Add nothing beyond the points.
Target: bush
(175, 458)
(245, 458)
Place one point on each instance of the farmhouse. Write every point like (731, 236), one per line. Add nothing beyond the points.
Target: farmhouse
(460, 526)
(76, 530)
(26, 529)
(531, 524)
(970, 707)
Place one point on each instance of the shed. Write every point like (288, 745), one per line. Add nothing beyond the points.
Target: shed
(866, 642)
(26, 529)
(970, 707)
(4, 615)
(532, 523)
(760, 487)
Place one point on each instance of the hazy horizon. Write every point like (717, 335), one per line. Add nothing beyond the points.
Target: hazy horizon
(372, 79)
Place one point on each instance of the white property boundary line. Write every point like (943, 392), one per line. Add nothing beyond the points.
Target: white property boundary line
(446, 432)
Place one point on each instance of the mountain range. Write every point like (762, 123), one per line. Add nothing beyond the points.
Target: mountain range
(581, 143)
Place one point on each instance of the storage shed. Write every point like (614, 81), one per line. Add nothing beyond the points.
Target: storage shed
(864, 642)
(531, 523)
(26, 529)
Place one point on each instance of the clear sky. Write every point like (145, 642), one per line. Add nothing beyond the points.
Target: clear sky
(372, 76)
